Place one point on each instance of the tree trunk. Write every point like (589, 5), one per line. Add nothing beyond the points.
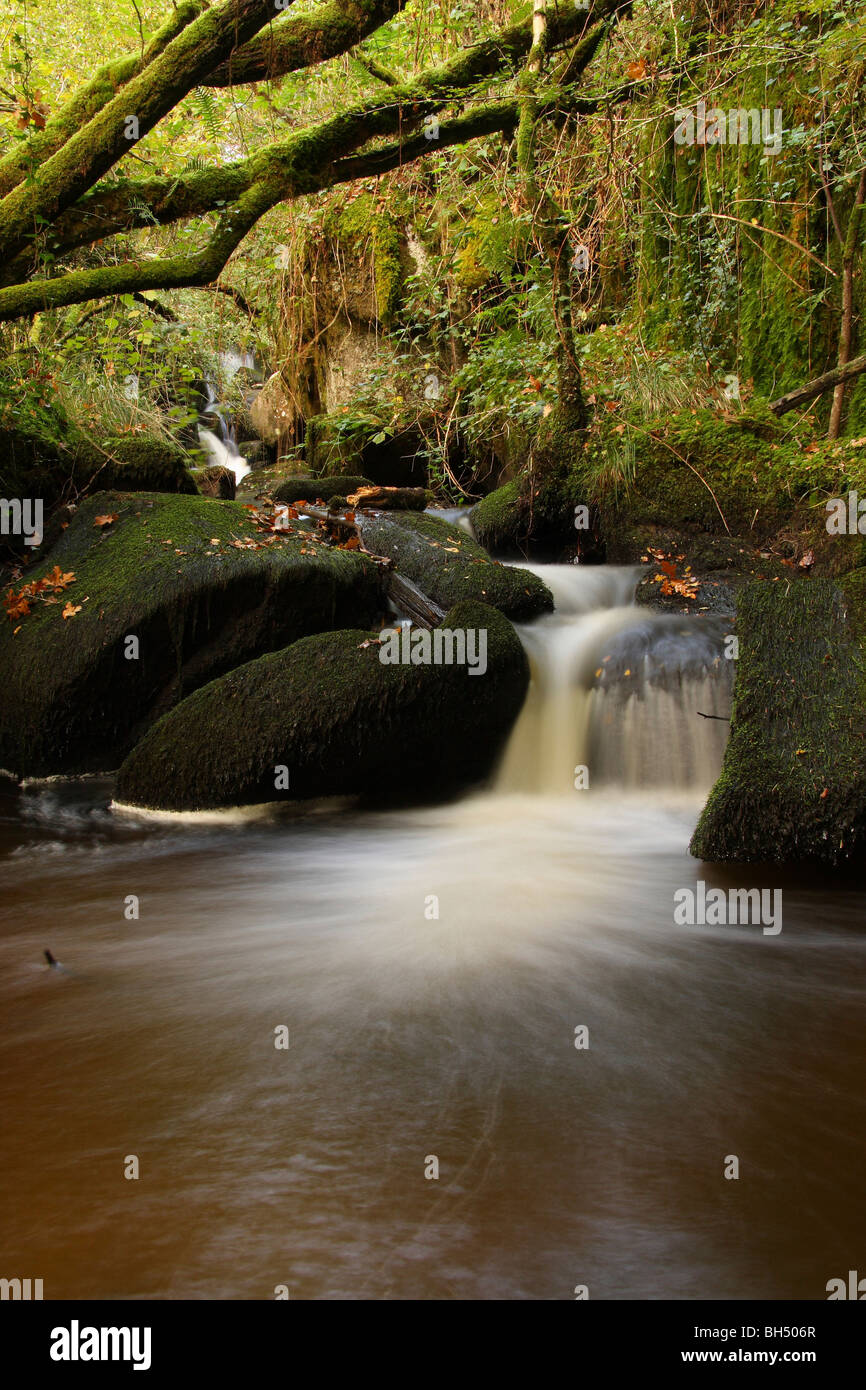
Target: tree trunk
(849, 257)
(802, 394)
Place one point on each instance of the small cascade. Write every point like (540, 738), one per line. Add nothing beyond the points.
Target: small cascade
(222, 450)
(637, 698)
(215, 429)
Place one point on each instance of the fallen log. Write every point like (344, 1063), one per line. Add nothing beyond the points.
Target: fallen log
(819, 386)
(406, 597)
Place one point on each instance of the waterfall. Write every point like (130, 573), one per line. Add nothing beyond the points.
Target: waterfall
(224, 451)
(618, 690)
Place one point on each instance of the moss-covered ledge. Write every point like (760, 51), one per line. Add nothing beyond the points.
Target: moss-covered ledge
(793, 782)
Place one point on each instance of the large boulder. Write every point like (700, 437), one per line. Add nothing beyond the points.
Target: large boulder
(273, 415)
(329, 718)
(197, 586)
(793, 782)
(448, 565)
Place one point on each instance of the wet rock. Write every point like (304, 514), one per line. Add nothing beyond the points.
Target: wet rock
(215, 481)
(326, 717)
(447, 565)
(174, 592)
(793, 783)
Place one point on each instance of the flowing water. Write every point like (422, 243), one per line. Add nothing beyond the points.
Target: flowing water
(415, 1036)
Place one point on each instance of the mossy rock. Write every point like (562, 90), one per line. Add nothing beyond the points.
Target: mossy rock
(448, 565)
(135, 463)
(363, 222)
(215, 481)
(389, 457)
(339, 721)
(61, 467)
(714, 489)
(498, 521)
(176, 574)
(793, 782)
(309, 489)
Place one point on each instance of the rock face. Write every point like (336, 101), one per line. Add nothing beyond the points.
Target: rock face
(272, 414)
(196, 586)
(793, 783)
(328, 718)
(448, 565)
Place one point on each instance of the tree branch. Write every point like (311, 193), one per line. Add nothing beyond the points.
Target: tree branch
(149, 96)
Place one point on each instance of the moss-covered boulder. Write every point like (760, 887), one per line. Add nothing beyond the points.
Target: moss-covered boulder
(309, 489)
(448, 565)
(390, 456)
(134, 463)
(215, 481)
(498, 521)
(720, 491)
(52, 461)
(326, 717)
(793, 782)
(197, 587)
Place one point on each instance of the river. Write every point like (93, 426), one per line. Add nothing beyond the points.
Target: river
(432, 967)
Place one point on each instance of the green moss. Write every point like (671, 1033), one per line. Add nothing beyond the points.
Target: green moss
(367, 221)
(793, 783)
(71, 701)
(135, 463)
(448, 566)
(498, 520)
(340, 721)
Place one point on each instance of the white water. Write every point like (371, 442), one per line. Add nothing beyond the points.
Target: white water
(224, 454)
(617, 689)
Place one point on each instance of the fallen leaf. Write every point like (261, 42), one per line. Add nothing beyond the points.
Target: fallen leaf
(106, 519)
(71, 609)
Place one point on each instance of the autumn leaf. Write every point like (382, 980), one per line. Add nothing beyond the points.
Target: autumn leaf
(637, 69)
(107, 519)
(16, 606)
(71, 609)
(57, 579)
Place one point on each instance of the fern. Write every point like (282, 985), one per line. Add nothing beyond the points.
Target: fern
(205, 107)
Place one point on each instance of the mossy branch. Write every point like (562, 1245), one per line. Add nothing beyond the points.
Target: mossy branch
(88, 100)
(93, 150)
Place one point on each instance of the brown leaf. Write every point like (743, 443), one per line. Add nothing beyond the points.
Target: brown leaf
(106, 520)
(71, 609)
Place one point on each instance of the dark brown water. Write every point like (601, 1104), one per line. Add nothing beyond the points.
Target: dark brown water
(412, 1036)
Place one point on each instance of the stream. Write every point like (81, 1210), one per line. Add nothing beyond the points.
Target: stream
(431, 966)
